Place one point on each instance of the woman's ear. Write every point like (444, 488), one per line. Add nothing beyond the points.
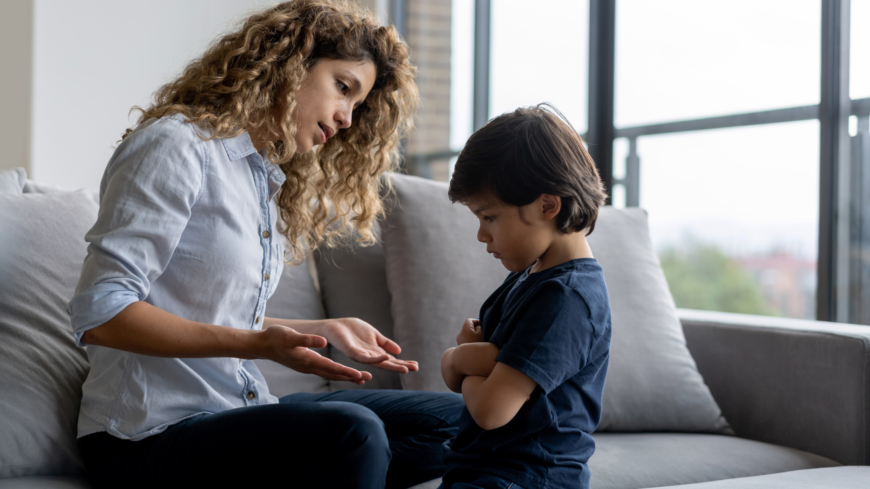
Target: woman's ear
(550, 206)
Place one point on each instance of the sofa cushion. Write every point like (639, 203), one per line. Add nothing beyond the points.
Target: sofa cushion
(12, 181)
(635, 460)
(42, 248)
(353, 283)
(295, 297)
(439, 274)
(838, 477)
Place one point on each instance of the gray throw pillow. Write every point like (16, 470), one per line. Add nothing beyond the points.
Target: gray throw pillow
(42, 248)
(354, 284)
(32, 187)
(653, 383)
(296, 297)
(12, 181)
(439, 274)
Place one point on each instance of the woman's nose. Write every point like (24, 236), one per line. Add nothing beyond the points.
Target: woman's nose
(344, 117)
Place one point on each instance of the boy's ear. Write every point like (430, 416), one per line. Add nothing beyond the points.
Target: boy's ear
(550, 205)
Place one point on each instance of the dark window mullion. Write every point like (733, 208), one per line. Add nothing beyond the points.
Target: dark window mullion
(834, 109)
(602, 56)
(480, 96)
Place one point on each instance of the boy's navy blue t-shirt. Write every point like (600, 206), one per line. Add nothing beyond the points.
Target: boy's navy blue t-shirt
(553, 326)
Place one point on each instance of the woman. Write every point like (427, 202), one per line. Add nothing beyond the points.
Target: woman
(298, 112)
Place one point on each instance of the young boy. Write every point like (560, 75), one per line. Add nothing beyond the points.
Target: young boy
(531, 369)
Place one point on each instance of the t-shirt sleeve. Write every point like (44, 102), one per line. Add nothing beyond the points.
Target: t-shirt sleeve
(552, 338)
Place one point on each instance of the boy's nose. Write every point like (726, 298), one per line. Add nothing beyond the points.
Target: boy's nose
(482, 236)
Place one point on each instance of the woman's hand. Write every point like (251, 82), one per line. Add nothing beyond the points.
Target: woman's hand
(471, 332)
(290, 348)
(363, 343)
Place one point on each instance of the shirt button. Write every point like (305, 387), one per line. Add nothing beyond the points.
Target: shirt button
(250, 395)
(257, 320)
(266, 234)
(266, 276)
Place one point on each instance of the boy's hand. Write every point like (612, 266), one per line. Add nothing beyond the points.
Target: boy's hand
(476, 359)
(471, 332)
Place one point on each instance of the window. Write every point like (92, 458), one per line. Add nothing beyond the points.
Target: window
(724, 124)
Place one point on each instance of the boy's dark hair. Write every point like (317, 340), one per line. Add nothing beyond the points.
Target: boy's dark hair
(528, 152)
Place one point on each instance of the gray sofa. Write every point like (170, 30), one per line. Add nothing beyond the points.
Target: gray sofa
(712, 400)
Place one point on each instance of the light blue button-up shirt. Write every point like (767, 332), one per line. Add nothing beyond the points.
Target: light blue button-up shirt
(188, 226)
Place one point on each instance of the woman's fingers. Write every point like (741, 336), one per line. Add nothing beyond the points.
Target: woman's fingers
(312, 361)
(342, 378)
(309, 340)
(389, 345)
(396, 365)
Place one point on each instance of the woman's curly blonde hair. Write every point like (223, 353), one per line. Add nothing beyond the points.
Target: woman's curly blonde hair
(249, 79)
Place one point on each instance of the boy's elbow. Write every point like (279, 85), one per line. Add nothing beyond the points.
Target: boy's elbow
(450, 379)
(488, 418)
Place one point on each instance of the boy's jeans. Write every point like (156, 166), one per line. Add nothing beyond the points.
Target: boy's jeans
(470, 480)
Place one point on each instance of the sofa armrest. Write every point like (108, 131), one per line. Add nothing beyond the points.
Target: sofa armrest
(801, 384)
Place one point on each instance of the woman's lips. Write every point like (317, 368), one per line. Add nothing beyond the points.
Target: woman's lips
(322, 135)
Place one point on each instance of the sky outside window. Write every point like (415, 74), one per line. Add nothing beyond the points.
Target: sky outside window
(687, 59)
(539, 53)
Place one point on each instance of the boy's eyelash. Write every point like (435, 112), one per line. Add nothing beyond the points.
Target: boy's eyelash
(489, 218)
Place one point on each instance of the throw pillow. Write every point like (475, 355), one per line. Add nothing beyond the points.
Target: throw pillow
(439, 274)
(42, 248)
(31, 187)
(353, 284)
(295, 297)
(12, 181)
(653, 383)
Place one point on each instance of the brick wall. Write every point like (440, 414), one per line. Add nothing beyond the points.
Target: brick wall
(428, 35)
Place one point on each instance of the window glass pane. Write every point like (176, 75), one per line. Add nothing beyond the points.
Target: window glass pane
(686, 59)
(859, 68)
(539, 53)
(734, 216)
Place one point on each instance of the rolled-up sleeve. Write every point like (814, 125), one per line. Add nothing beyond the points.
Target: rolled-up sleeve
(146, 196)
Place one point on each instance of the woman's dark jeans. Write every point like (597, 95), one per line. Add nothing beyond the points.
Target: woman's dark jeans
(343, 439)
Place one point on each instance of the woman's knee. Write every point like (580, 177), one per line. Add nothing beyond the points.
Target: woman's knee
(358, 429)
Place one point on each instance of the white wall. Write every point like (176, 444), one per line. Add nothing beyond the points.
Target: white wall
(74, 69)
(16, 37)
(95, 59)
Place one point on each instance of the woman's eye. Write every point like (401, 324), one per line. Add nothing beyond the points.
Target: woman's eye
(343, 87)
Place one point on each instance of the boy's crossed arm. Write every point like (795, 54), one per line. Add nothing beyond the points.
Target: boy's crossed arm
(493, 392)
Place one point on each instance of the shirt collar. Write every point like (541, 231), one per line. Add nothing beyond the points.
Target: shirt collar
(239, 146)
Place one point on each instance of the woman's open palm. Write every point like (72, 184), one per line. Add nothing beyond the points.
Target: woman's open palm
(361, 342)
(292, 349)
